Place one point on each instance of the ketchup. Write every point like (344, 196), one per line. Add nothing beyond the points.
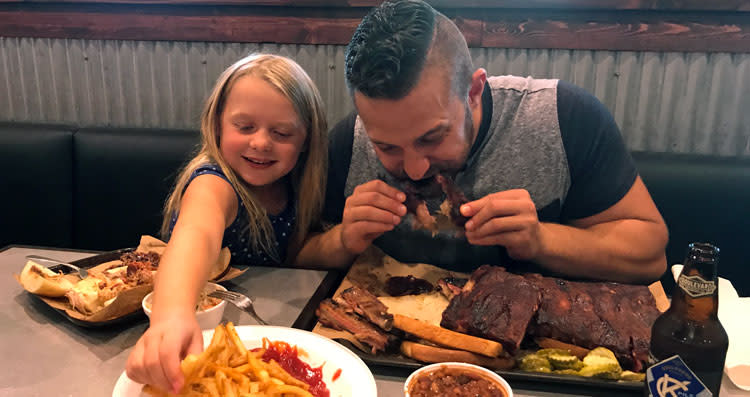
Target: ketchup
(288, 357)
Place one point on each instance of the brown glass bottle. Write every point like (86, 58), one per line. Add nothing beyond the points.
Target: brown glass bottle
(691, 327)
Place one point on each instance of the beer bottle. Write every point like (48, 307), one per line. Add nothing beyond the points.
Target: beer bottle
(691, 327)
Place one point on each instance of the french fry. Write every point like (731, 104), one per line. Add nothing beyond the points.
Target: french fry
(235, 338)
(289, 390)
(227, 368)
(275, 370)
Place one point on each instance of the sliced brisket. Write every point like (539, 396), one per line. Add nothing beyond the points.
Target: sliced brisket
(367, 305)
(333, 316)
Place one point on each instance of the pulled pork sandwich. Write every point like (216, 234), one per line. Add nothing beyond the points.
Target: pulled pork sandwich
(101, 288)
(39, 280)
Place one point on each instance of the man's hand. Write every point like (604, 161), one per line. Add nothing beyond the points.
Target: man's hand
(506, 218)
(373, 209)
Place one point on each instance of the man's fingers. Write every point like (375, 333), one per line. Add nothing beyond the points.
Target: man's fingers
(370, 214)
(493, 208)
(377, 200)
(366, 229)
(381, 187)
(496, 226)
(471, 208)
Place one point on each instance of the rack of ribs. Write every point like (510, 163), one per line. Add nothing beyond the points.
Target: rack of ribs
(494, 304)
(503, 306)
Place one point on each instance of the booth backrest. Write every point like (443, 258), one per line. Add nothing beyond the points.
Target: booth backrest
(94, 188)
(703, 198)
(101, 188)
(122, 179)
(36, 184)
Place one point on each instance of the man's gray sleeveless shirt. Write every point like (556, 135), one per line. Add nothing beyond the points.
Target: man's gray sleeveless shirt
(523, 149)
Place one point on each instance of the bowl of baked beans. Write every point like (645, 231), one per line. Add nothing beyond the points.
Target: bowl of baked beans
(454, 379)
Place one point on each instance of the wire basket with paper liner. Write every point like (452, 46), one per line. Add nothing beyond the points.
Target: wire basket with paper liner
(114, 287)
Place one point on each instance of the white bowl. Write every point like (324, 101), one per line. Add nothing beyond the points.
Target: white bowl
(207, 319)
(469, 368)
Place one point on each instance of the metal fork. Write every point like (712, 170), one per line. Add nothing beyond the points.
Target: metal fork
(82, 273)
(239, 300)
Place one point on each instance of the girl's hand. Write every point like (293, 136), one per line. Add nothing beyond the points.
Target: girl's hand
(156, 358)
(373, 209)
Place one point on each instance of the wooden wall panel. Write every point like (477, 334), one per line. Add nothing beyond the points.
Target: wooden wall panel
(656, 25)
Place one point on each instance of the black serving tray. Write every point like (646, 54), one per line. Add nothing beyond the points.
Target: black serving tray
(90, 262)
(398, 364)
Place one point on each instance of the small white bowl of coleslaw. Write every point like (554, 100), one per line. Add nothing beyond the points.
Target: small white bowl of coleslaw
(209, 310)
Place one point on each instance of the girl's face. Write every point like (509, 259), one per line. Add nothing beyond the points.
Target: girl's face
(261, 134)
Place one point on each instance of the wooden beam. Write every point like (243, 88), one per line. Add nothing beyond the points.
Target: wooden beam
(625, 31)
(667, 5)
(684, 31)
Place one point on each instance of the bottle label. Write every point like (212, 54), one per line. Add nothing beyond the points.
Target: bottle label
(696, 286)
(673, 378)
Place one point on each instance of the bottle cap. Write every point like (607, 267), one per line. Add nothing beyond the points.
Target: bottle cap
(704, 252)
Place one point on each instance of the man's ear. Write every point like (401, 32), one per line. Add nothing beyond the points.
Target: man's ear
(478, 78)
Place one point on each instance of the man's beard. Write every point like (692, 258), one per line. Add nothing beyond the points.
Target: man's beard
(428, 186)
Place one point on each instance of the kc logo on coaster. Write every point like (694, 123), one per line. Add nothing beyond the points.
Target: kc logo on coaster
(673, 378)
(666, 386)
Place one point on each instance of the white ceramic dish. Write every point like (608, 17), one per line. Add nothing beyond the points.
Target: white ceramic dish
(355, 378)
(207, 319)
(484, 372)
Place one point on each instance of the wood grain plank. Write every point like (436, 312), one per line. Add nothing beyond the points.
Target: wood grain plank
(230, 27)
(591, 29)
(715, 5)
(636, 33)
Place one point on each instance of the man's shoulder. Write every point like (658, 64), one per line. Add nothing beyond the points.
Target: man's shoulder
(341, 136)
(344, 126)
(521, 84)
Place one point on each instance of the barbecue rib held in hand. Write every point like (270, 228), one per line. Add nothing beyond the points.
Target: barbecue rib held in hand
(416, 205)
(455, 198)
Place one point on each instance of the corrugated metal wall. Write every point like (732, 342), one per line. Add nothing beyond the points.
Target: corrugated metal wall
(663, 102)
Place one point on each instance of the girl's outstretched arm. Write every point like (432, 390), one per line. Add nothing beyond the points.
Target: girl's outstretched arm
(208, 206)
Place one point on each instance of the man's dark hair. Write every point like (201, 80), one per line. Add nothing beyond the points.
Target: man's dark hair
(388, 50)
(399, 39)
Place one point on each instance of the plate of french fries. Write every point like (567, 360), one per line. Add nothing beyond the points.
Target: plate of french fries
(235, 363)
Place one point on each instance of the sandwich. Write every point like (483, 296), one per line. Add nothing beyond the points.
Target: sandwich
(39, 280)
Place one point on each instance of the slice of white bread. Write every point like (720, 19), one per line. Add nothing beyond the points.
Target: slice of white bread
(39, 280)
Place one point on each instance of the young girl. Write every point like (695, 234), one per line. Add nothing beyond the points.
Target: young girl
(256, 186)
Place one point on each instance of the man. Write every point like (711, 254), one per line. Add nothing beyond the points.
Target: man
(548, 178)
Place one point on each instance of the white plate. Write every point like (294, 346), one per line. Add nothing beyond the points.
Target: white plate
(320, 350)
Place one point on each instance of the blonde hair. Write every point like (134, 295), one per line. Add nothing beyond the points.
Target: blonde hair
(308, 177)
